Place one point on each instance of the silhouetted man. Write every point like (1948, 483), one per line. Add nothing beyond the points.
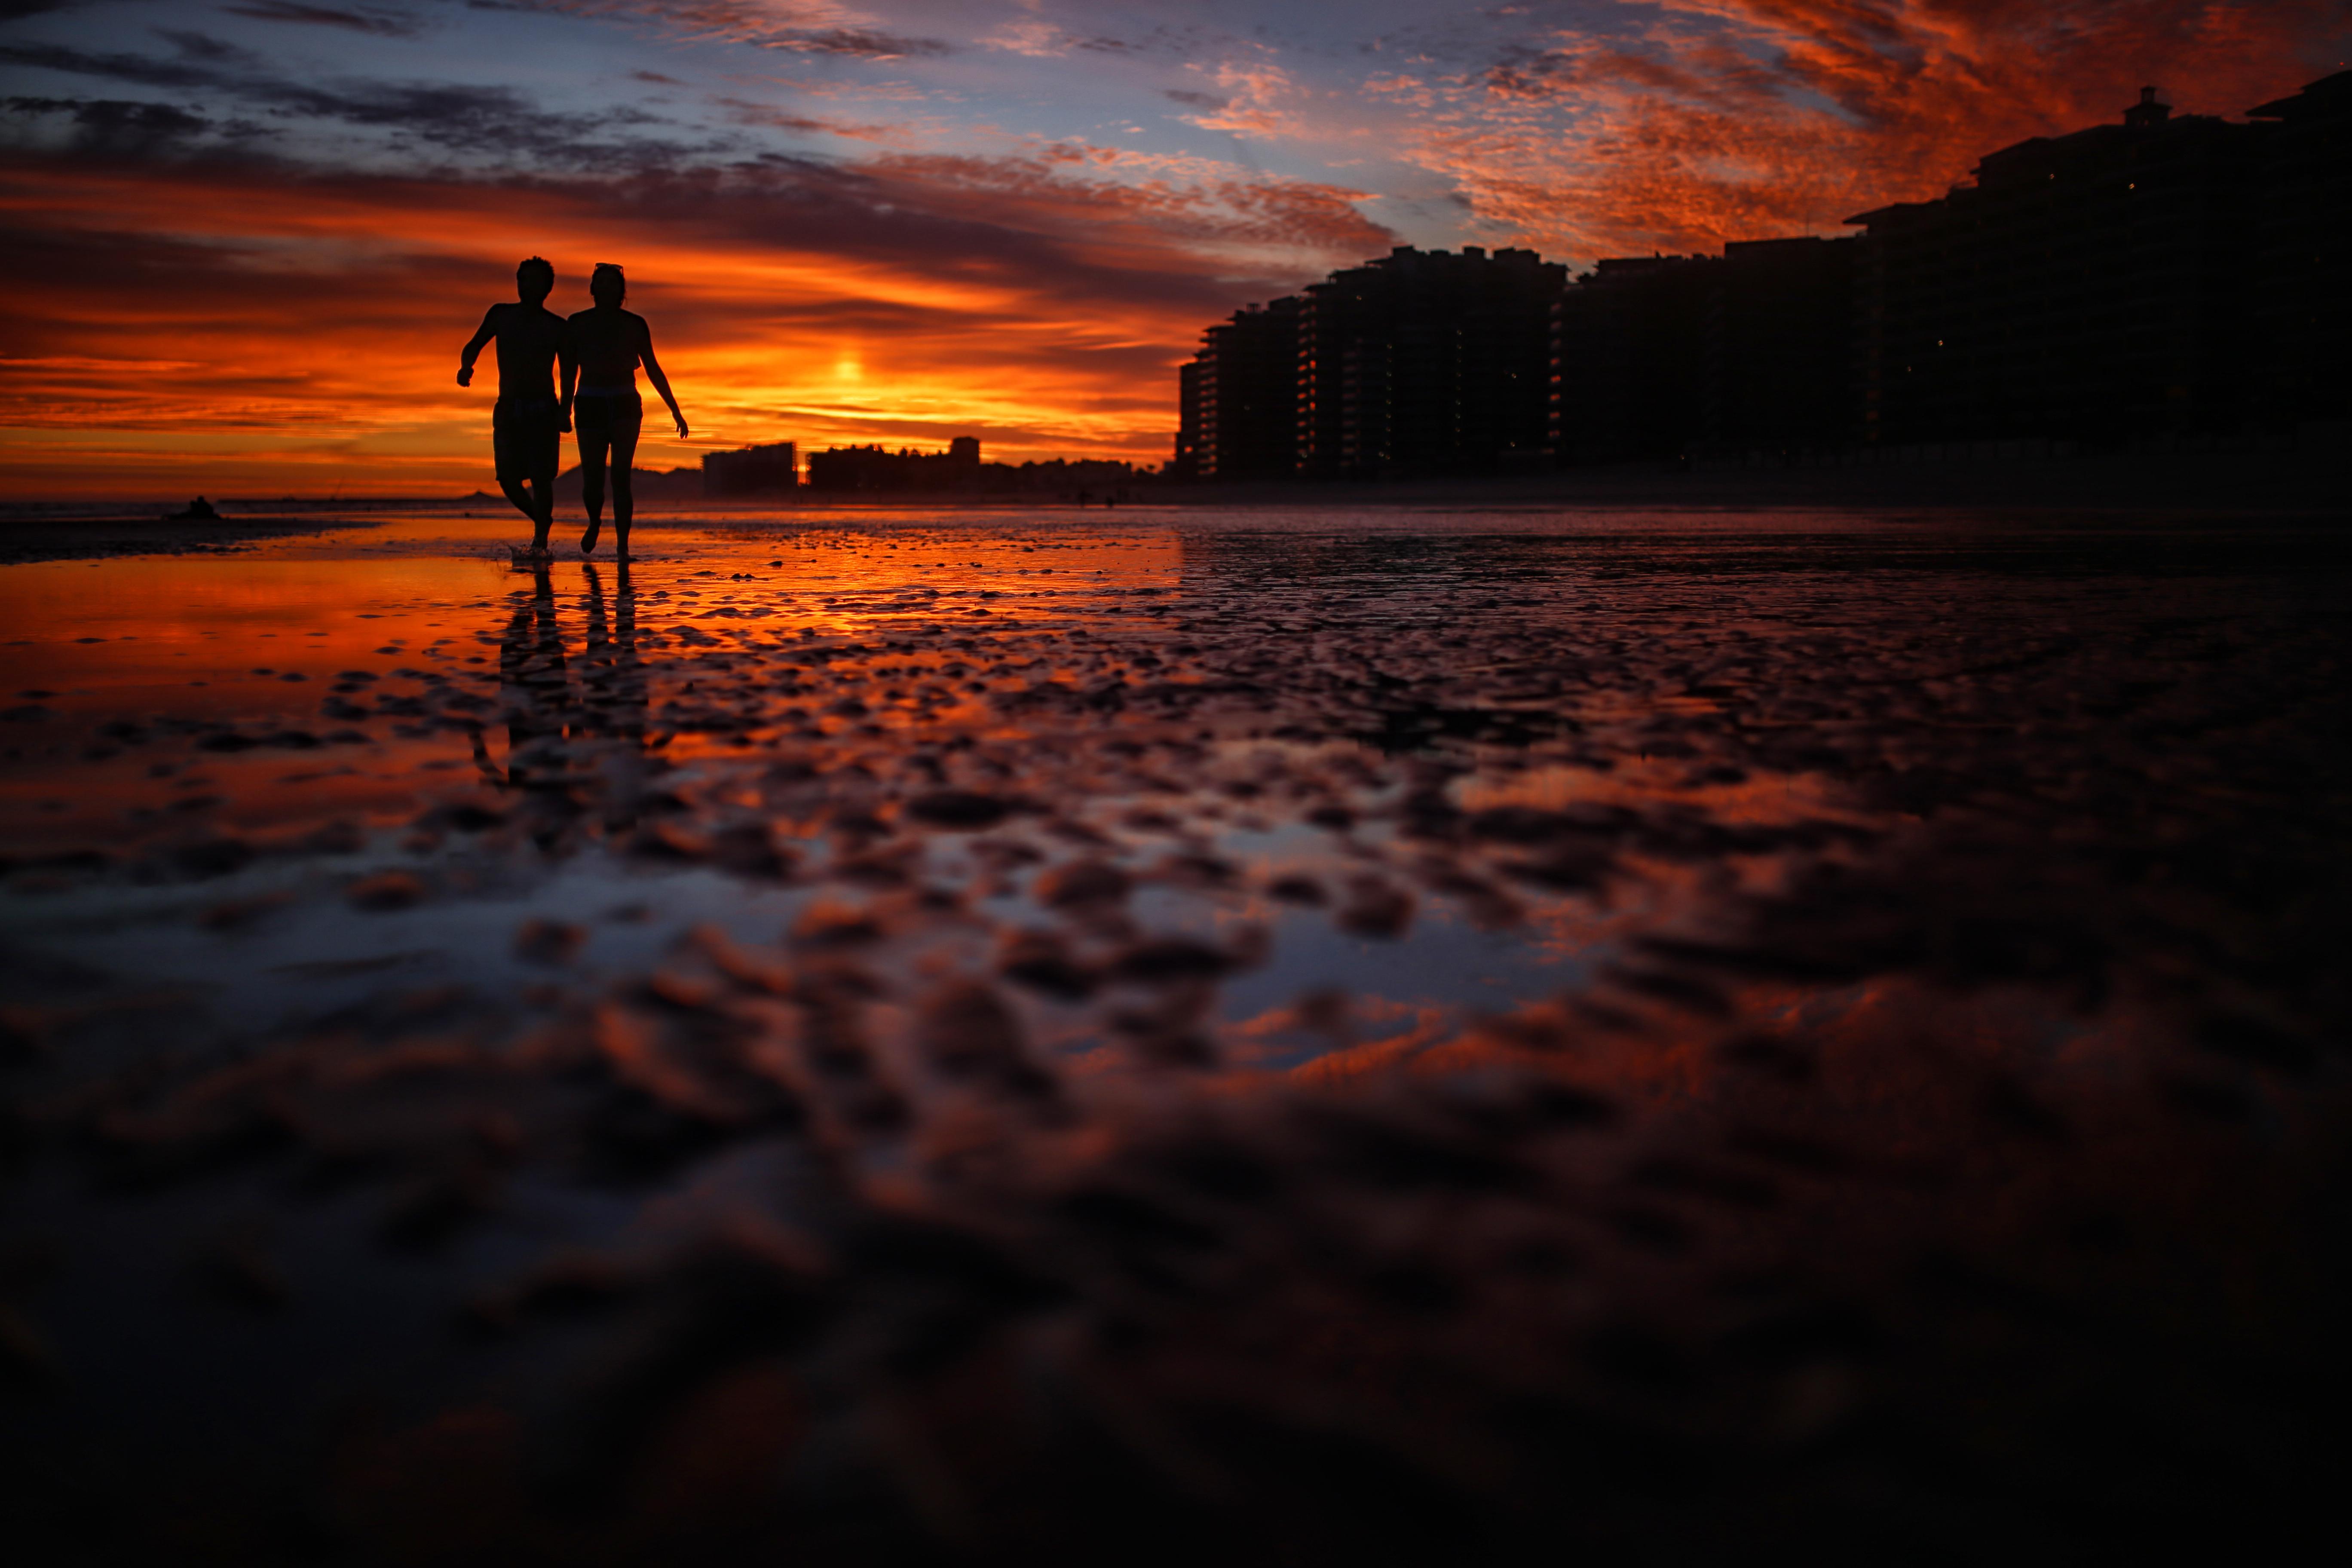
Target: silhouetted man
(527, 423)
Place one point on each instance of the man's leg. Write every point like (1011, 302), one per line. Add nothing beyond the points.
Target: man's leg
(547, 452)
(506, 450)
(542, 517)
(547, 455)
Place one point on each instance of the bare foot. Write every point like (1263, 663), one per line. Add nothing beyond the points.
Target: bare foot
(588, 540)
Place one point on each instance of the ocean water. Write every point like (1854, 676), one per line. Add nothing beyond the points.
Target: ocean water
(1398, 968)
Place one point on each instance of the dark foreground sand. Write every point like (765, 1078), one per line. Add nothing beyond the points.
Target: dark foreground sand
(773, 1099)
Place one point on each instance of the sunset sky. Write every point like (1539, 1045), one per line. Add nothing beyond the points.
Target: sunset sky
(246, 239)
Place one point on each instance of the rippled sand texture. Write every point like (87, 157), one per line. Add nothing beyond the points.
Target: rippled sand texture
(1305, 1039)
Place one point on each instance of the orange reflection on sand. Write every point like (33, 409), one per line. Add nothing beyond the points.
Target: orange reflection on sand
(260, 694)
(1760, 799)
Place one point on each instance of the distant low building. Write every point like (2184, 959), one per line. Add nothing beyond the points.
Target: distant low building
(875, 469)
(772, 469)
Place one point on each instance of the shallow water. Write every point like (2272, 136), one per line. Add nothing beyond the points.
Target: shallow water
(390, 928)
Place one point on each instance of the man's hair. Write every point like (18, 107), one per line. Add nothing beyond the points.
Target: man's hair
(539, 264)
(608, 269)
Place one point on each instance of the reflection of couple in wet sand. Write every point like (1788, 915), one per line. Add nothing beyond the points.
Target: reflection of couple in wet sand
(599, 351)
(572, 725)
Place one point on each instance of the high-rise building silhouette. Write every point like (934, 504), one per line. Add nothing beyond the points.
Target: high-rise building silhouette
(1425, 363)
(1625, 358)
(1776, 345)
(2168, 276)
(1245, 393)
(2085, 287)
(2301, 243)
(1185, 464)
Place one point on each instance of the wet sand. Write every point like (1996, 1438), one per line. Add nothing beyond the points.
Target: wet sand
(1304, 1036)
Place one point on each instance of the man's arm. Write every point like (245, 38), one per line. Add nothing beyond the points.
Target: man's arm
(473, 349)
(661, 382)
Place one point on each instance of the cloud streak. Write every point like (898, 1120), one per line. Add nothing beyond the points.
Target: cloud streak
(378, 24)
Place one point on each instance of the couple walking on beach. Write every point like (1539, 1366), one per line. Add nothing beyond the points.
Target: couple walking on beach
(598, 351)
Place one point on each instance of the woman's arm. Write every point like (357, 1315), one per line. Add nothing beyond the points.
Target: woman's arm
(661, 382)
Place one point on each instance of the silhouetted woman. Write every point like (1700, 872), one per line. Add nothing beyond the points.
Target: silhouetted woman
(603, 348)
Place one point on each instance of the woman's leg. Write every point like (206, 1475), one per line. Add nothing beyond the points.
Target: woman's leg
(591, 480)
(625, 455)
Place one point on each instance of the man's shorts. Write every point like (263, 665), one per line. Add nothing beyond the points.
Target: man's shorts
(525, 435)
(607, 415)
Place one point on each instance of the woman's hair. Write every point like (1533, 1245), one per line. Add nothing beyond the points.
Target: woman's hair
(606, 270)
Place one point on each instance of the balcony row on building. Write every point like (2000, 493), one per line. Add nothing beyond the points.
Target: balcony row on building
(2168, 275)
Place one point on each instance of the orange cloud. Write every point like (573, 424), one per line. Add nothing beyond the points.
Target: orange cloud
(1737, 119)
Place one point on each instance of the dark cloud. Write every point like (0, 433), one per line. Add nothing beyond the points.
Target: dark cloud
(855, 42)
(656, 78)
(495, 123)
(744, 112)
(137, 68)
(740, 21)
(211, 50)
(460, 118)
(385, 23)
(1211, 100)
(115, 126)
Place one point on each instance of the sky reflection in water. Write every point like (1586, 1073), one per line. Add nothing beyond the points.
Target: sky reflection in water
(264, 731)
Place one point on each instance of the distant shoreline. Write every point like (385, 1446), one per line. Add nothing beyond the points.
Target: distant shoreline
(2298, 480)
(2306, 481)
